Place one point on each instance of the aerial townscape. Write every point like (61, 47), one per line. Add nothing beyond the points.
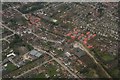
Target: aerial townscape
(59, 40)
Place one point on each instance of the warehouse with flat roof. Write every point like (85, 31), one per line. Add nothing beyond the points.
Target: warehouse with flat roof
(35, 53)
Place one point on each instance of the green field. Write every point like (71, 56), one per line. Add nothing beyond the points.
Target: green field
(104, 56)
(107, 57)
(91, 73)
(114, 73)
(40, 75)
(10, 67)
(51, 71)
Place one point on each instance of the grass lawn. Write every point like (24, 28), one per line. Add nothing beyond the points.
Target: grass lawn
(40, 75)
(10, 67)
(107, 57)
(91, 73)
(114, 73)
(52, 71)
(59, 52)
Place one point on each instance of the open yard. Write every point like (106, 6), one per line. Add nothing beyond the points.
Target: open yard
(10, 67)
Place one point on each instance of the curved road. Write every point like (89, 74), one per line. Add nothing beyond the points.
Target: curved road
(94, 59)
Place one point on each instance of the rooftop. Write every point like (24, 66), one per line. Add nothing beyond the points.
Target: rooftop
(35, 53)
(78, 52)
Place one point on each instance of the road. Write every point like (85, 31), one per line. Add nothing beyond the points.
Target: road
(10, 59)
(9, 28)
(34, 33)
(46, 39)
(57, 60)
(7, 37)
(48, 54)
(32, 69)
(94, 59)
(20, 13)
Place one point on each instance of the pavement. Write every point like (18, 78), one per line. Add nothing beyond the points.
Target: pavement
(94, 59)
(57, 60)
(48, 54)
(32, 69)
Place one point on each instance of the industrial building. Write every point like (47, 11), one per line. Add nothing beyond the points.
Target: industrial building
(35, 53)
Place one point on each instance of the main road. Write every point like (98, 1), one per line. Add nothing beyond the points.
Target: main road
(34, 33)
(43, 38)
(48, 54)
(81, 45)
(57, 60)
